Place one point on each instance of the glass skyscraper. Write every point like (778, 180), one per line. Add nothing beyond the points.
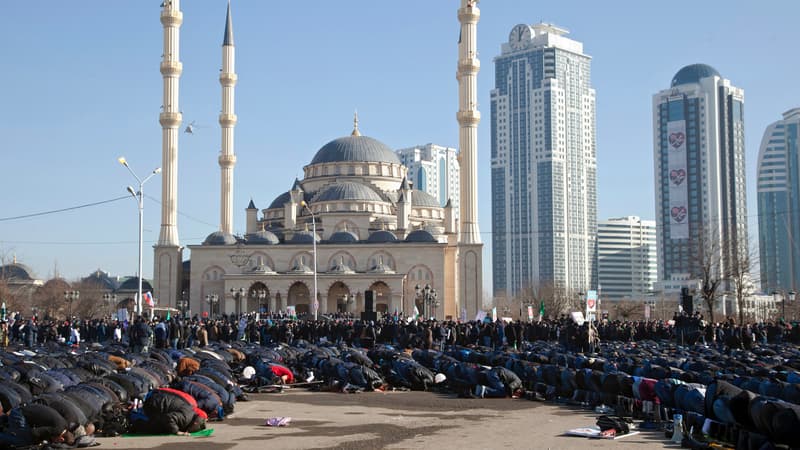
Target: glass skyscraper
(779, 204)
(699, 159)
(434, 169)
(544, 165)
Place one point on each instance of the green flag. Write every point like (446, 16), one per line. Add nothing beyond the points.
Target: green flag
(167, 314)
(541, 309)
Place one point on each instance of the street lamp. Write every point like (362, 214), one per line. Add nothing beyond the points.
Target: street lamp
(139, 197)
(69, 297)
(429, 299)
(238, 295)
(780, 296)
(183, 303)
(212, 300)
(110, 299)
(314, 243)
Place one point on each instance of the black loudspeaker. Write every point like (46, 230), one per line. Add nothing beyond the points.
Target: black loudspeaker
(687, 301)
(369, 301)
(369, 315)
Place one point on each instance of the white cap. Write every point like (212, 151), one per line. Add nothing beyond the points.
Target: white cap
(248, 372)
(440, 377)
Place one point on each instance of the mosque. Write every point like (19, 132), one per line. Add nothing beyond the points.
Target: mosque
(353, 230)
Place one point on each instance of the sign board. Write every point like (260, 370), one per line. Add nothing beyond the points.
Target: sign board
(591, 301)
(494, 314)
(577, 316)
(530, 313)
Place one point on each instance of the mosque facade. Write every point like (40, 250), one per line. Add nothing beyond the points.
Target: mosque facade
(353, 229)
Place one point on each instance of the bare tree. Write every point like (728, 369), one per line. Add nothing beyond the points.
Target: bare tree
(629, 309)
(49, 300)
(740, 267)
(706, 259)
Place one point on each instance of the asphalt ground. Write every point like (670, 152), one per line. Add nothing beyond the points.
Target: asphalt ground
(370, 420)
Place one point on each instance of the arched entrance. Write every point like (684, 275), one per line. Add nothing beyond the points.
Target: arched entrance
(258, 297)
(338, 297)
(299, 297)
(383, 297)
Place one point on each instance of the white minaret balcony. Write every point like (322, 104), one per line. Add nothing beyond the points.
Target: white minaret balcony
(227, 160)
(171, 68)
(471, 117)
(171, 17)
(469, 65)
(227, 120)
(170, 119)
(228, 79)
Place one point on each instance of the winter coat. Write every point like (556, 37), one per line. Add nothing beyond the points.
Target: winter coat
(170, 411)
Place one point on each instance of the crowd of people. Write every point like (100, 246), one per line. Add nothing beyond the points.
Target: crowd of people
(169, 375)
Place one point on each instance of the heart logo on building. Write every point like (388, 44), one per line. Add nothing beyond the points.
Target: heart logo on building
(676, 139)
(677, 176)
(678, 213)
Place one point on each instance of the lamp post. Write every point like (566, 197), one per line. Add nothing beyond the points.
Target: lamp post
(212, 300)
(780, 296)
(429, 299)
(110, 299)
(139, 197)
(183, 303)
(315, 305)
(238, 295)
(69, 297)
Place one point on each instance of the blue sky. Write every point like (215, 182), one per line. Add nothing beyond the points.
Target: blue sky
(82, 87)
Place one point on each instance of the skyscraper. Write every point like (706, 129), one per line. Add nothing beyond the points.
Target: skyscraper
(544, 165)
(701, 207)
(627, 263)
(779, 204)
(433, 169)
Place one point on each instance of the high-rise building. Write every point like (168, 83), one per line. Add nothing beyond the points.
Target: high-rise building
(433, 169)
(701, 206)
(779, 204)
(544, 164)
(627, 264)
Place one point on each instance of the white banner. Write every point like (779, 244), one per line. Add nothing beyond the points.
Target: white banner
(678, 174)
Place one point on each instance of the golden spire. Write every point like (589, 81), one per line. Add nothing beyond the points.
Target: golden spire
(355, 125)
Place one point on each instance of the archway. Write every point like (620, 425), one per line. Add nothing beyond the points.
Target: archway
(382, 296)
(338, 296)
(299, 295)
(258, 297)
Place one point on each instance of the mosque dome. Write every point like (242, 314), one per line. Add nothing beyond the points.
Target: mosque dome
(382, 236)
(693, 73)
(303, 237)
(280, 200)
(343, 237)
(355, 148)
(422, 198)
(132, 284)
(347, 190)
(420, 236)
(16, 272)
(220, 238)
(262, 237)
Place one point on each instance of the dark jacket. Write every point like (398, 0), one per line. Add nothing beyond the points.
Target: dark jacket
(169, 413)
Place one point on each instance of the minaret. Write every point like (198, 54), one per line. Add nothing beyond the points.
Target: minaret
(468, 119)
(227, 120)
(470, 250)
(168, 252)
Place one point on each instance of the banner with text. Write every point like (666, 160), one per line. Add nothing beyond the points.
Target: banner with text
(678, 173)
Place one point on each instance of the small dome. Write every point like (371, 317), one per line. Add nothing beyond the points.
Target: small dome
(693, 73)
(102, 280)
(343, 237)
(382, 236)
(220, 238)
(303, 237)
(17, 272)
(420, 236)
(355, 148)
(422, 198)
(280, 200)
(132, 284)
(347, 190)
(262, 237)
